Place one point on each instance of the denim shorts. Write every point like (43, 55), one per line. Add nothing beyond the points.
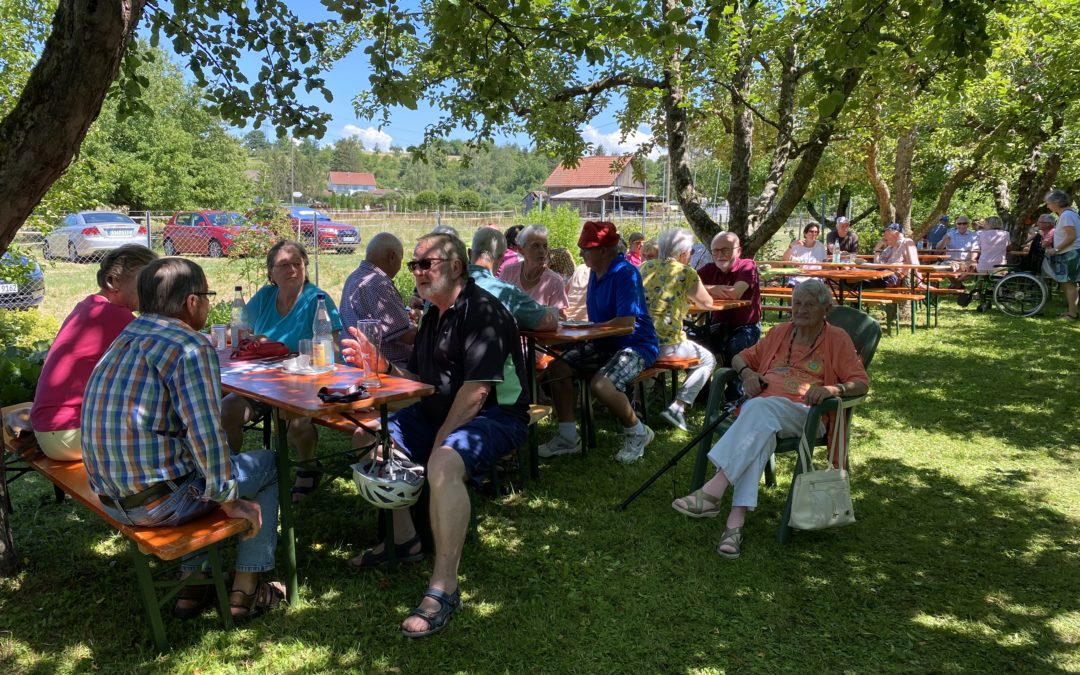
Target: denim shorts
(480, 442)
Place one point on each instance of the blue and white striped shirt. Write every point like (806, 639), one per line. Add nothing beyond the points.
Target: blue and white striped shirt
(152, 412)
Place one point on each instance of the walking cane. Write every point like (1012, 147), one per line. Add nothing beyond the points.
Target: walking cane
(708, 429)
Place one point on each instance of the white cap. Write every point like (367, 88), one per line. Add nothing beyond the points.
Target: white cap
(841, 219)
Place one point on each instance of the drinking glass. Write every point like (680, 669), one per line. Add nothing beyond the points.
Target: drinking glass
(370, 344)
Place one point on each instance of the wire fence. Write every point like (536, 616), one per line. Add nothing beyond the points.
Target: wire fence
(56, 268)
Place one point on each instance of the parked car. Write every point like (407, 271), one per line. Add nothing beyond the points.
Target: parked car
(332, 236)
(203, 232)
(20, 290)
(87, 233)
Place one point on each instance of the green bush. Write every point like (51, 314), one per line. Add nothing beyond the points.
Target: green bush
(28, 335)
(426, 200)
(28, 328)
(563, 224)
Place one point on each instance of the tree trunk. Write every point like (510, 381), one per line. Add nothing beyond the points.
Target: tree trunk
(905, 155)
(804, 171)
(682, 179)
(62, 97)
(886, 211)
(742, 150)
(785, 144)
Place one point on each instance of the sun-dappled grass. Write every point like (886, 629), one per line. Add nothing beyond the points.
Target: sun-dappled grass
(965, 468)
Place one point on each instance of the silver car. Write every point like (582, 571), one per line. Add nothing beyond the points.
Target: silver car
(87, 233)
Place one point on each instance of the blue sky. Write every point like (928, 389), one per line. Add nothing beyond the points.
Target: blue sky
(406, 127)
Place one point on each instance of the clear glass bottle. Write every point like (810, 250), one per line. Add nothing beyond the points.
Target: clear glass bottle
(238, 328)
(322, 336)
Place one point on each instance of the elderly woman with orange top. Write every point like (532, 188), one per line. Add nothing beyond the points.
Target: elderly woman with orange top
(796, 365)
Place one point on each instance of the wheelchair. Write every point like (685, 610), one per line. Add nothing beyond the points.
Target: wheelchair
(1015, 292)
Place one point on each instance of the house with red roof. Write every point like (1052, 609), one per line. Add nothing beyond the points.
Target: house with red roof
(596, 186)
(349, 182)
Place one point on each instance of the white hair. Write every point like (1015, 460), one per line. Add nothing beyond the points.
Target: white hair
(1059, 198)
(817, 289)
(674, 242)
(530, 231)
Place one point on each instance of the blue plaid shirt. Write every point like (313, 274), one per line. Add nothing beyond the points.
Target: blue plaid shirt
(152, 412)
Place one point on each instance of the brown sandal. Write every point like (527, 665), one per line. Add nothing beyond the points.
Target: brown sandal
(265, 597)
(197, 597)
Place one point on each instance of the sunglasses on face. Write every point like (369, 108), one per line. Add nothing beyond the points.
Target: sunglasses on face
(423, 264)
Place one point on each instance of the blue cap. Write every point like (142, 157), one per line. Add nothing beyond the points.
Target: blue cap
(895, 227)
(944, 217)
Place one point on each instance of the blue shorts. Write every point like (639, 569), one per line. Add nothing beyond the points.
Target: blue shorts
(480, 442)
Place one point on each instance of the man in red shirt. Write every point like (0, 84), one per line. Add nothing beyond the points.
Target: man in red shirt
(732, 277)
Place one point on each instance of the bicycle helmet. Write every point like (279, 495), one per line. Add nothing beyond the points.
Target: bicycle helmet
(389, 484)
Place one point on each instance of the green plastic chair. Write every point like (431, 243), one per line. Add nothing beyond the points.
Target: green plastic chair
(865, 332)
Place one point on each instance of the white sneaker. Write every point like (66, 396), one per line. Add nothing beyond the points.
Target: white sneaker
(676, 418)
(634, 446)
(559, 446)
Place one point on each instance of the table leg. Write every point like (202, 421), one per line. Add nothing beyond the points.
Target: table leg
(389, 545)
(288, 533)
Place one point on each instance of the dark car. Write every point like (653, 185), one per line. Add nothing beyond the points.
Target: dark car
(22, 283)
(203, 232)
(333, 236)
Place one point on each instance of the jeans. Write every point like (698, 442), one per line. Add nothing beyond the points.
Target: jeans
(256, 475)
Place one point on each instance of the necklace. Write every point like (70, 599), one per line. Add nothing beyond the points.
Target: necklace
(813, 345)
(534, 279)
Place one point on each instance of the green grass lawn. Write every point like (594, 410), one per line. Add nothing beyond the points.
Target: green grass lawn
(965, 469)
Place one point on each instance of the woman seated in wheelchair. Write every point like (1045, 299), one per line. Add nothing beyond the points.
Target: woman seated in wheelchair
(794, 366)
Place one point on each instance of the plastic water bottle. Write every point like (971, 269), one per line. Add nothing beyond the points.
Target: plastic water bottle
(322, 336)
(238, 328)
(836, 253)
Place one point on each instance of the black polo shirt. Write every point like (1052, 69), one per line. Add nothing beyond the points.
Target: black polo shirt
(475, 340)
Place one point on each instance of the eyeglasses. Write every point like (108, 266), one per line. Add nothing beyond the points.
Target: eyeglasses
(962, 222)
(423, 264)
(812, 231)
(205, 294)
(725, 249)
(288, 265)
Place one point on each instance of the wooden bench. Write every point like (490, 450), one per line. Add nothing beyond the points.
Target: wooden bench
(870, 297)
(665, 365)
(164, 543)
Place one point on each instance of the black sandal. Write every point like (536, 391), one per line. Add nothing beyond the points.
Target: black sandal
(265, 597)
(437, 620)
(314, 475)
(370, 560)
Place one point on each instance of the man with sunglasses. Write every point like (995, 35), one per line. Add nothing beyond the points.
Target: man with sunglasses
(153, 445)
(615, 296)
(469, 349)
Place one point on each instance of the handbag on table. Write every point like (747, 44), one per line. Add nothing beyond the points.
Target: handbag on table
(822, 498)
(251, 349)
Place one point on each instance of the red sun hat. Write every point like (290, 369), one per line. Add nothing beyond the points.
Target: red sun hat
(596, 233)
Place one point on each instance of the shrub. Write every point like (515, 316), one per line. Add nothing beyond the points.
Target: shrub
(426, 200)
(28, 328)
(563, 224)
(20, 368)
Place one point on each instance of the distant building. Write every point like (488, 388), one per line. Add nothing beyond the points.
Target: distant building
(597, 186)
(349, 182)
(535, 198)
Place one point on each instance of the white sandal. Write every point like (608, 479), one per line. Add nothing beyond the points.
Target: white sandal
(698, 504)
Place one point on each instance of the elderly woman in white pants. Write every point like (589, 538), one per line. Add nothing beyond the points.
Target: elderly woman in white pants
(796, 365)
(670, 286)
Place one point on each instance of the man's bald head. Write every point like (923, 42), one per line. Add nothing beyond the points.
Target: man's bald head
(385, 251)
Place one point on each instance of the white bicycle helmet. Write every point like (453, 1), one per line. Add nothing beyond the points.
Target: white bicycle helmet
(389, 484)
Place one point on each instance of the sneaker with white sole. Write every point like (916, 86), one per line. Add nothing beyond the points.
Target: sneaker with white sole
(560, 446)
(676, 418)
(634, 446)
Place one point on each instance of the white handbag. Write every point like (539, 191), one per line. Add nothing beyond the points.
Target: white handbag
(822, 498)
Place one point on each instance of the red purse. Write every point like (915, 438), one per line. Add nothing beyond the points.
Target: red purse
(250, 350)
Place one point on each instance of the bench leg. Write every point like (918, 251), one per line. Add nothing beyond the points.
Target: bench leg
(288, 533)
(217, 573)
(149, 599)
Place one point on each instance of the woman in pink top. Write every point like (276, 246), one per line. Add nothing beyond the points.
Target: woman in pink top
(83, 339)
(993, 245)
(532, 274)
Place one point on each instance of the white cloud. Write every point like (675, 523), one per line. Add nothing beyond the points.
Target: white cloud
(615, 145)
(371, 137)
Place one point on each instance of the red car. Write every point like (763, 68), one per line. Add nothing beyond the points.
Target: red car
(203, 232)
(333, 236)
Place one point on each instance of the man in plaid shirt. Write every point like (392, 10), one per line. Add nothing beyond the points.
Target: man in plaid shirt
(153, 445)
(369, 293)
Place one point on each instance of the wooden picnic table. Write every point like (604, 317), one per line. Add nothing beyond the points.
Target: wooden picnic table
(293, 396)
(568, 333)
